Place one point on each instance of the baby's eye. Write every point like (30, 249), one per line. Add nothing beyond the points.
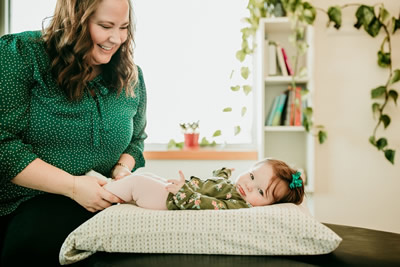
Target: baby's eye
(261, 192)
(251, 176)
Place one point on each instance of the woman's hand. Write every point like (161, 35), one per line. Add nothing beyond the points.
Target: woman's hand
(175, 185)
(89, 193)
(120, 172)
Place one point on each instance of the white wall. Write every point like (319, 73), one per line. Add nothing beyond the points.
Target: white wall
(355, 184)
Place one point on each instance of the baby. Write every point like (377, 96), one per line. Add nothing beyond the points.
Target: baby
(268, 182)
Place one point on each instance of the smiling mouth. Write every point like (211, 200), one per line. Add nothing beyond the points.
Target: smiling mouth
(241, 191)
(105, 47)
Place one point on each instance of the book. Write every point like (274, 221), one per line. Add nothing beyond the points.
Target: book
(287, 64)
(268, 121)
(298, 108)
(281, 61)
(285, 108)
(276, 121)
(272, 68)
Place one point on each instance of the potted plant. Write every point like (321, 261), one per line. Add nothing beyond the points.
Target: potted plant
(191, 134)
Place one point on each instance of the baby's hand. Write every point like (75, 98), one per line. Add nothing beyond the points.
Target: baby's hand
(175, 185)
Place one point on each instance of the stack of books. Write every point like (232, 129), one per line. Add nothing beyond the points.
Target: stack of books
(286, 109)
(278, 61)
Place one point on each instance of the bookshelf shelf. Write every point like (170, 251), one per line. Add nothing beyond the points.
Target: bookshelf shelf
(284, 129)
(284, 141)
(284, 79)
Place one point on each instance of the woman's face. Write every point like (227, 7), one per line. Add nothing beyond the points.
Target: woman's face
(108, 28)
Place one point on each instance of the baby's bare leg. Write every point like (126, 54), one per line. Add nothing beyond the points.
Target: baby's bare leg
(146, 190)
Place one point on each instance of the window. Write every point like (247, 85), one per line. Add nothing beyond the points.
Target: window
(186, 49)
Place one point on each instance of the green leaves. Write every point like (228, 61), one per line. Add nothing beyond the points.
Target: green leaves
(217, 133)
(381, 145)
(322, 136)
(335, 16)
(366, 17)
(389, 155)
(246, 89)
(378, 92)
(384, 60)
(395, 77)
(396, 24)
(235, 88)
(394, 95)
(228, 109)
(236, 130)
(385, 120)
(309, 13)
(245, 72)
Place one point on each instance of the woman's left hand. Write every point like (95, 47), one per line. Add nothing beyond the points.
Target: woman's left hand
(120, 172)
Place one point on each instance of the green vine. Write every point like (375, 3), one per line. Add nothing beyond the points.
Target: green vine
(373, 19)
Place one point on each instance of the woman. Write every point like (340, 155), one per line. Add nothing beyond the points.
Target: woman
(71, 100)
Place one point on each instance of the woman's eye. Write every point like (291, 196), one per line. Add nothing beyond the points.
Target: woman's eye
(261, 192)
(105, 27)
(251, 176)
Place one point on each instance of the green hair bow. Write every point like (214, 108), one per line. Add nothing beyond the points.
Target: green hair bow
(296, 181)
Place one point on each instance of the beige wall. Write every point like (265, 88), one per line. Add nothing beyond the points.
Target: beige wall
(355, 184)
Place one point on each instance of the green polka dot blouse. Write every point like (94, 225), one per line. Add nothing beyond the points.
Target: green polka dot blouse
(37, 120)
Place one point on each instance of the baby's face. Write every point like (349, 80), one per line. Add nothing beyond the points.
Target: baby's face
(253, 185)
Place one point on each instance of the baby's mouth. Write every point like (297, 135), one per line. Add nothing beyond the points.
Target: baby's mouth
(241, 191)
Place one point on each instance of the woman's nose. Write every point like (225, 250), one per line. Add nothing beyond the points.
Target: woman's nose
(115, 36)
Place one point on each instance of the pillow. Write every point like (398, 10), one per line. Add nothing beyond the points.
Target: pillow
(281, 229)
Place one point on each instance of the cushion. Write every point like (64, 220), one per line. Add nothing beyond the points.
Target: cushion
(281, 229)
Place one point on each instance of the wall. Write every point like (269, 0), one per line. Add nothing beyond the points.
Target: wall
(355, 184)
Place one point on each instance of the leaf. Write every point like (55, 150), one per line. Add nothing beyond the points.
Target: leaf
(386, 120)
(374, 28)
(237, 130)
(235, 88)
(383, 14)
(245, 72)
(180, 145)
(395, 77)
(204, 142)
(396, 24)
(247, 89)
(171, 144)
(228, 109)
(230, 76)
(244, 109)
(375, 108)
(322, 136)
(378, 92)
(381, 143)
(217, 133)
(309, 13)
(384, 59)
(335, 16)
(394, 95)
(372, 140)
(365, 15)
(389, 155)
(240, 55)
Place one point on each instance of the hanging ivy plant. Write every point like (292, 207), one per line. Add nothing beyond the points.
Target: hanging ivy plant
(373, 19)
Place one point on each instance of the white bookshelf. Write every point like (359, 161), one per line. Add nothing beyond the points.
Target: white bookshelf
(290, 143)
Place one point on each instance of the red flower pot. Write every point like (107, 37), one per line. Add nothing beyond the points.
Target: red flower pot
(191, 140)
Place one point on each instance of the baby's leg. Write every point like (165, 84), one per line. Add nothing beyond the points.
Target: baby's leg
(147, 191)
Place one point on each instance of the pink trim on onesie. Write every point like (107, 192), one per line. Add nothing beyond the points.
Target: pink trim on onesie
(146, 189)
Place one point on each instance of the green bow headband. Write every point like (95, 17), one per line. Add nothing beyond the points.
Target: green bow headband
(296, 181)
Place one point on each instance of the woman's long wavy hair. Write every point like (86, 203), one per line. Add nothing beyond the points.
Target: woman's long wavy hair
(69, 45)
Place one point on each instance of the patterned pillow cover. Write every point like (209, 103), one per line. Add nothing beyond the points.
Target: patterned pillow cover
(282, 229)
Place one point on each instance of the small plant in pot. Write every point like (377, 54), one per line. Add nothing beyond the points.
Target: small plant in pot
(191, 134)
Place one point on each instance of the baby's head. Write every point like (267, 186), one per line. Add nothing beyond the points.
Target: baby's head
(271, 181)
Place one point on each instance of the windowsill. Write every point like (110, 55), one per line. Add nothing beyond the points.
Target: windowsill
(201, 154)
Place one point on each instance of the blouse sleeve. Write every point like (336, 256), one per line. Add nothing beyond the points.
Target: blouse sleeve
(136, 146)
(16, 79)
(224, 173)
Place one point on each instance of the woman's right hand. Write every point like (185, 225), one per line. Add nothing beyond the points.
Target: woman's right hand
(88, 191)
